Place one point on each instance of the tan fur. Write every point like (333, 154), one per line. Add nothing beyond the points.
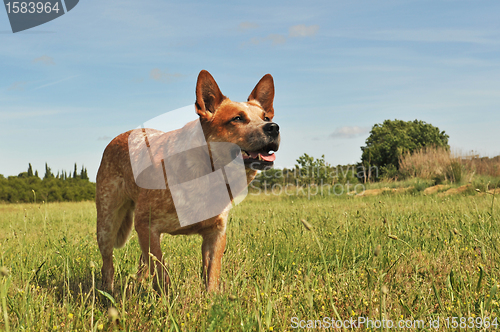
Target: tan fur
(121, 203)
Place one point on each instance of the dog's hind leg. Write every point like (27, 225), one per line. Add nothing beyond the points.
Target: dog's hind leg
(126, 225)
(114, 222)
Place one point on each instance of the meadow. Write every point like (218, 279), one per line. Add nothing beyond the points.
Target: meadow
(290, 262)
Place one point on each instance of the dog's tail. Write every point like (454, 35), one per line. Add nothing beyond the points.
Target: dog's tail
(125, 229)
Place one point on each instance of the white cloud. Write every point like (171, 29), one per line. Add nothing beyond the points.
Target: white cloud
(274, 38)
(302, 30)
(294, 31)
(349, 132)
(45, 60)
(243, 26)
(158, 75)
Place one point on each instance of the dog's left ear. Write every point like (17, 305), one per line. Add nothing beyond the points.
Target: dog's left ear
(264, 94)
(208, 95)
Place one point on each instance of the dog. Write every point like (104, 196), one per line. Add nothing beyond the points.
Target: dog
(121, 203)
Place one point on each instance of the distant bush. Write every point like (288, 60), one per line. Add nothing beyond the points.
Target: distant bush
(309, 171)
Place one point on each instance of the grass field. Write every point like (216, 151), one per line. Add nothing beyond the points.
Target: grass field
(394, 256)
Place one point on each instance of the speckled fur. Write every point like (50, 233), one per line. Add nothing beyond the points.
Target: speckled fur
(121, 204)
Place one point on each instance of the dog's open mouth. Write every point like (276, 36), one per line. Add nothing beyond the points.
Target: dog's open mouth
(258, 156)
(259, 160)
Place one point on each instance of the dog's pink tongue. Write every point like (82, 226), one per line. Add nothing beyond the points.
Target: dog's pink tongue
(268, 157)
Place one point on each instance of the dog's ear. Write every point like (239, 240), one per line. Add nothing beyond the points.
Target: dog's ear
(208, 95)
(264, 94)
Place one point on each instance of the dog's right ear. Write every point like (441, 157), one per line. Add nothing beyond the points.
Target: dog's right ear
(208, 95)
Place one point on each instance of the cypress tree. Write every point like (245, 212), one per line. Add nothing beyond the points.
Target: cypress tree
(30, 170)
(75, 173)
(83, 174)
(48, 172)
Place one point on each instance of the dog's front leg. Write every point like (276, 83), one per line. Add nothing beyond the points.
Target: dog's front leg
(214, 243)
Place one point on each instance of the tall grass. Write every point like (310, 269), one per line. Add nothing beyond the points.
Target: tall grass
(440, 164)
(394, 257)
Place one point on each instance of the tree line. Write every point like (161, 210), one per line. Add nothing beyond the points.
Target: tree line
(61, 187)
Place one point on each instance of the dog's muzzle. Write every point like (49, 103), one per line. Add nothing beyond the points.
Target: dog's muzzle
(263, 157)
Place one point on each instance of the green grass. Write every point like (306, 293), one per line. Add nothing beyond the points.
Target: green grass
(394, 256)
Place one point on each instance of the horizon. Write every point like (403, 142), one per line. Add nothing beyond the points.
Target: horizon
(70, 173)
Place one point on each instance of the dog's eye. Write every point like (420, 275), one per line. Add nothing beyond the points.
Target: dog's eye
(237, 118)
(266, 119)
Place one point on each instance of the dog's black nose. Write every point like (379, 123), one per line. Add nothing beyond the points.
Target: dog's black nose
(272, 129)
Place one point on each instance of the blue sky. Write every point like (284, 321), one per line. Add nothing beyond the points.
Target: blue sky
(69, 86)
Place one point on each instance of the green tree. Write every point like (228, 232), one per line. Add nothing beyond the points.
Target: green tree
(312, 170)
(393, 138)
